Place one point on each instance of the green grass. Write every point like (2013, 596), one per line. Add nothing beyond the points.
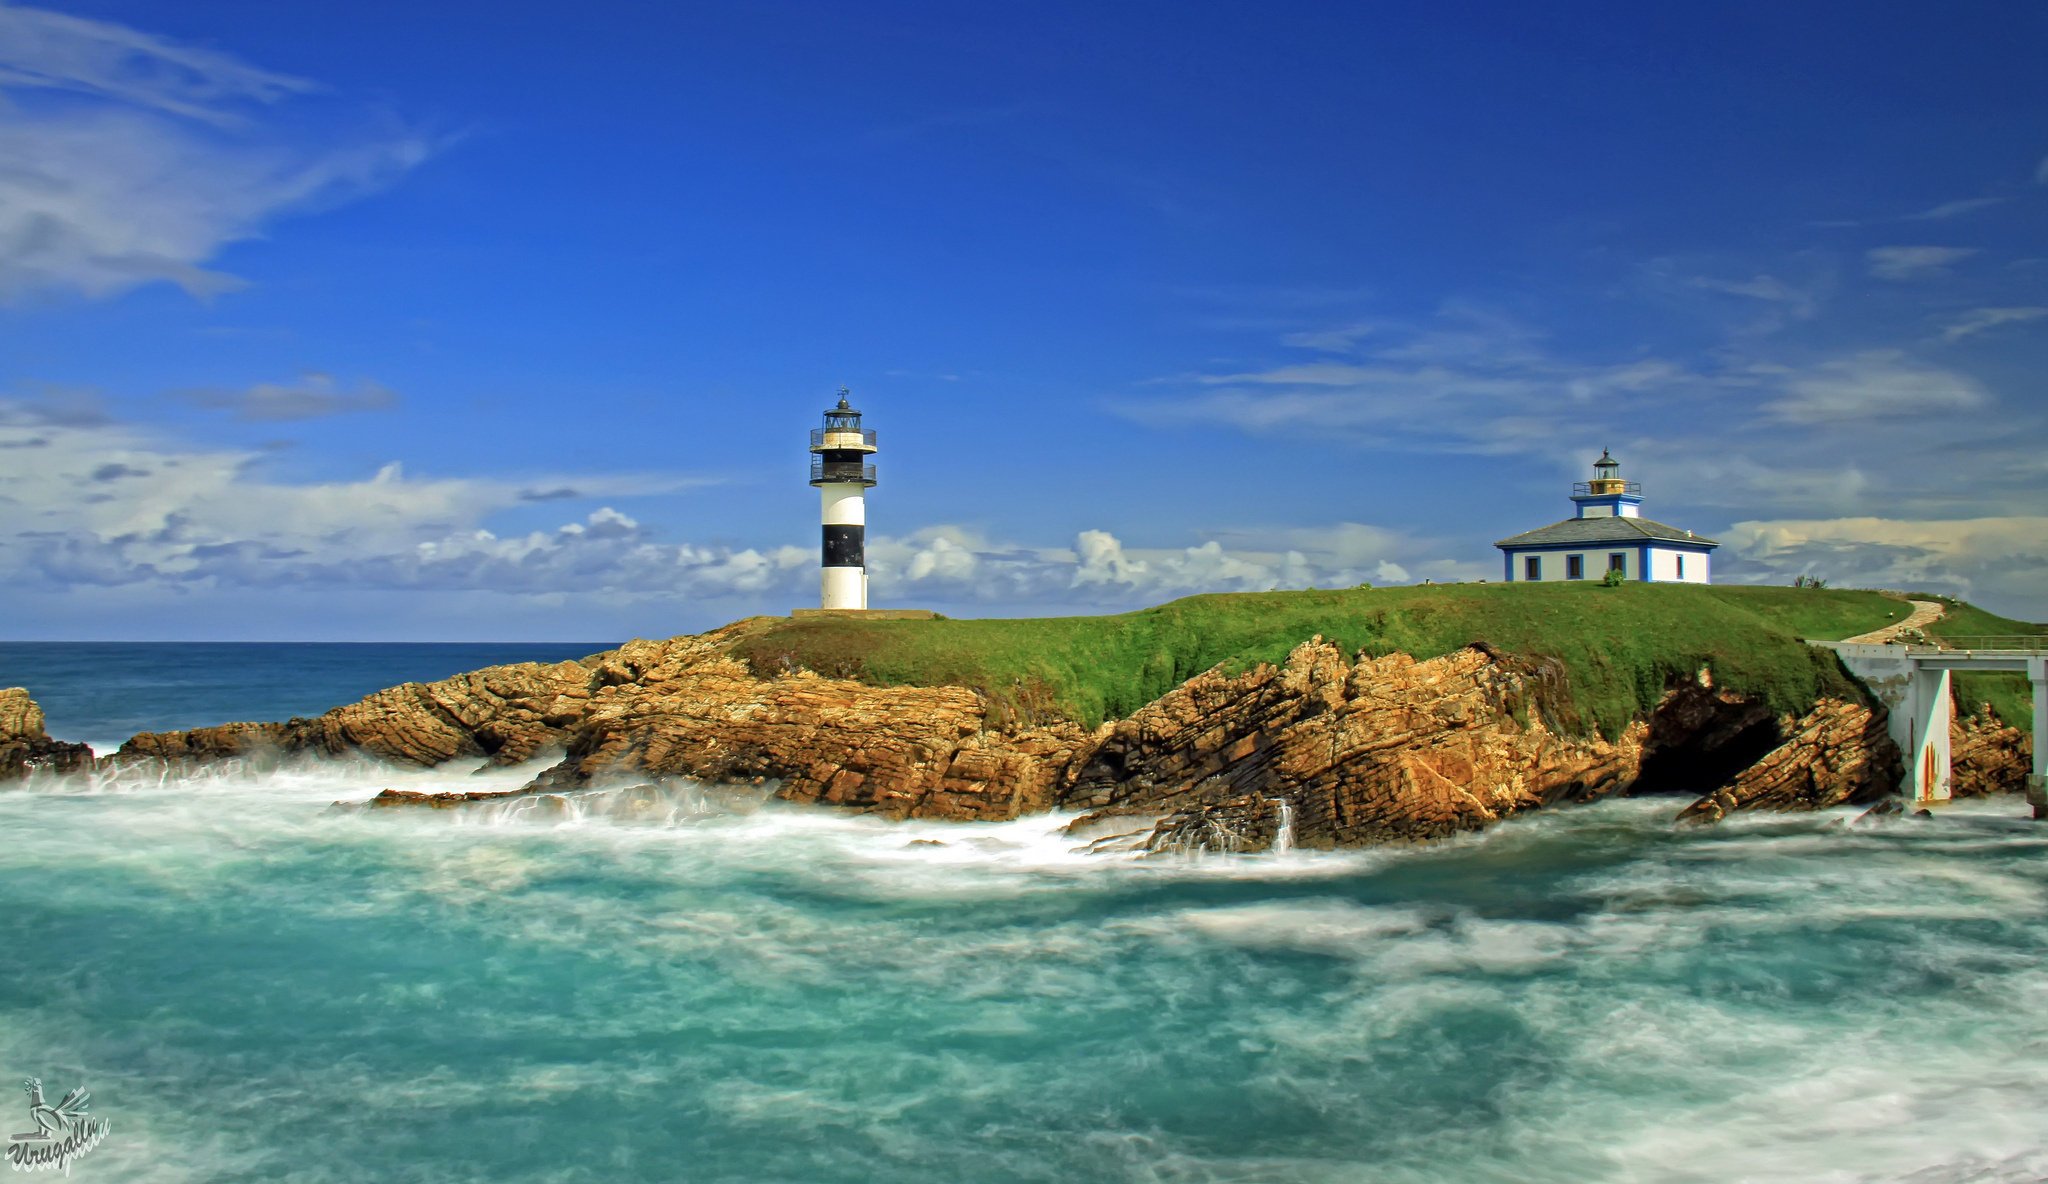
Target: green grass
(1620, 647)
(2009, 694)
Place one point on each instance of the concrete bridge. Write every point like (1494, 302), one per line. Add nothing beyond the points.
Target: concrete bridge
(1912, 680)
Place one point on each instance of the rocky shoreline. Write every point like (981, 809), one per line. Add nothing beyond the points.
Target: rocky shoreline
(1328, 749)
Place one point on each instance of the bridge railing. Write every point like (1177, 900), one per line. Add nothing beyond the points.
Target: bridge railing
(2035, 642)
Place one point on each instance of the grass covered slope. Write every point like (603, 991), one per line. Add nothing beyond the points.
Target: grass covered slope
(2009, 694)
(1620, 646)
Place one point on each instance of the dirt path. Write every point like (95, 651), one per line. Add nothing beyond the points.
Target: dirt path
(1925, 613)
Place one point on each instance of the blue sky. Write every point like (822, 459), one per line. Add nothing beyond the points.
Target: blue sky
(423, 321)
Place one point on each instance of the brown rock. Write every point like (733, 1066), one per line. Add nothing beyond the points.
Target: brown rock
(1376, 750)
(1987, 755)
(1389, 749)
(25, 747)
(1836, 754)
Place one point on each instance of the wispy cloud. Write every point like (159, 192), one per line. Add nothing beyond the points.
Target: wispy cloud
(1914, 263)
(1981, 320)
(1876, 384)
(158, 156)
(313, 396)
(1954, 209)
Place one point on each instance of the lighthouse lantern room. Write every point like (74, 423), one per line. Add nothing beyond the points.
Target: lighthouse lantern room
(842, 474)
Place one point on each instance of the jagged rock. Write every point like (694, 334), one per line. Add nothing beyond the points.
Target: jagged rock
(1987, 755)
(1390, 748)
(688, 708)
(1375, 750)
(25, 747)
(1836, 754)
(506, 713)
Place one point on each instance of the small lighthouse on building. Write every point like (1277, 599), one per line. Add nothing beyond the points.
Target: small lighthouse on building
(841, 471)
(1608, 533)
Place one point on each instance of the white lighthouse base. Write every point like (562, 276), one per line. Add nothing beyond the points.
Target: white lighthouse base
(844, 587)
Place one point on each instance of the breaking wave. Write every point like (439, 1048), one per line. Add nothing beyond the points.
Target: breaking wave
(661, 983)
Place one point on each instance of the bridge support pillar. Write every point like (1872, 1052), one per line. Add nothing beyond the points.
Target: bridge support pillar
(2037, 785)
(1926, 743)
(1917, 712)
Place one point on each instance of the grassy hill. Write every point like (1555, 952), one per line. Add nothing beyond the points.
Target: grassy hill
(2008, 694)
(1620, 646)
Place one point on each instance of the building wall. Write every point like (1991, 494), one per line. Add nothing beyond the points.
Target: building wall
(1664, 566)
(1595, 561)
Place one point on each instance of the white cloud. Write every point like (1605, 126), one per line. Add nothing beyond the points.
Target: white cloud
(1874, 384)
(1980, 320)
(313, 396)
(131, 159)
(1914, 263)
(89, 500)
(1954, 209)
(1337, 340)
(1757, 287)
(2005, 558)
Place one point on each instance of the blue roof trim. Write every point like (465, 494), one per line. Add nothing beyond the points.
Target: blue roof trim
(1694, 548)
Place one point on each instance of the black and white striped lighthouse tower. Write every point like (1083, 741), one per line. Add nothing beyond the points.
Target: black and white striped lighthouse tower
(840, 470)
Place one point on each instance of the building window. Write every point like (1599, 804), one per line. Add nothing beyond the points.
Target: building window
(1681, 567)
(1575, 567)
(1532, 568)
(1617, 561)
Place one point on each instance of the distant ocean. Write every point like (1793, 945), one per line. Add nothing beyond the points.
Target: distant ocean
(254, 988)
(101, 693)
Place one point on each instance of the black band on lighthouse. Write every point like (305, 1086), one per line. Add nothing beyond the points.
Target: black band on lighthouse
(843, 546)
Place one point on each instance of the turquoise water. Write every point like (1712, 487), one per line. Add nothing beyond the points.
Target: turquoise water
(256, 989)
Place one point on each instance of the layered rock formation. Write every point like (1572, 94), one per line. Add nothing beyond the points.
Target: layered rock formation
(1328, 750)
(685, 707)
(1987, 755)
(1835, 755)
(1389, 748)
(25, 747)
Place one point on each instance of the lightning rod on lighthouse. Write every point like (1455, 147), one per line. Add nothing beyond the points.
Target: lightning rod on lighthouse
(843, 476)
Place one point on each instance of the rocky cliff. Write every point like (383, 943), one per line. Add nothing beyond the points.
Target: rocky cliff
(1323, 750)
(1987, 755)
(24, 747)
(1383, 749)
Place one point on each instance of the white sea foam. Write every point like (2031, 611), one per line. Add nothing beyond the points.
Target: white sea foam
(767, 991)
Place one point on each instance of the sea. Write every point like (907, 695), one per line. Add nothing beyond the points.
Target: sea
(692, 986)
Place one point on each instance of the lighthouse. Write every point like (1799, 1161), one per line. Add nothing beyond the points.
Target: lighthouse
(840, 470)
(1608, 533)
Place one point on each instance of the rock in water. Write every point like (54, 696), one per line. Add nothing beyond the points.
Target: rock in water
(24, 746)
(1837, 754)
(1338, 752)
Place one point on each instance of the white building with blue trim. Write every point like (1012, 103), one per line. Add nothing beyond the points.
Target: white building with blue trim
(1609, 533)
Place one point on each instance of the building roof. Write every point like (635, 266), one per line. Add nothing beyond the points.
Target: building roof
(1603, 530)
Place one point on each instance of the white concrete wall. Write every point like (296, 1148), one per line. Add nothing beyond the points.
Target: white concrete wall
(1664, 567)
(843, 587)
(844, 505)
